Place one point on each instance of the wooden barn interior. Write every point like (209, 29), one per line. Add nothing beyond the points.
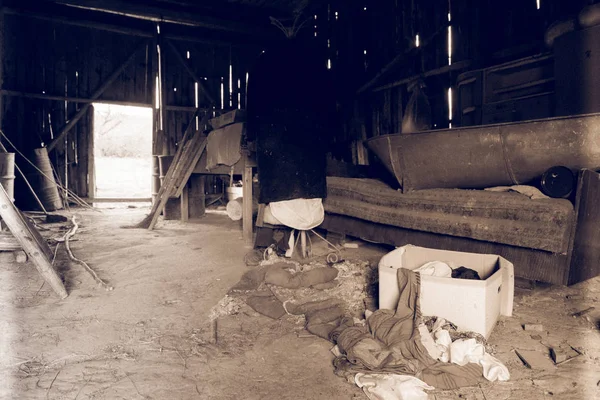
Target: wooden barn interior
(150, 152)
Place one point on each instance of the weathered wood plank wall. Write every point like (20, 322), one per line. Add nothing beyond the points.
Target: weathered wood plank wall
(52, 68)
(378, 39)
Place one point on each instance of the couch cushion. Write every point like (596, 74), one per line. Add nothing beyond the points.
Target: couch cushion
(506, 218)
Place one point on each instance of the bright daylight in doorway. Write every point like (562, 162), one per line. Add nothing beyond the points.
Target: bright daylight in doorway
(122, 151)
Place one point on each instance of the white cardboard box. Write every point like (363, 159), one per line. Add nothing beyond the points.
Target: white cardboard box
(473, 305)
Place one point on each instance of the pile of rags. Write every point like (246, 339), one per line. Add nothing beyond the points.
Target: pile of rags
(389, 342)
(261, 298)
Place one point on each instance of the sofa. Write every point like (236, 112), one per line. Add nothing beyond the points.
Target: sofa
(549, 240)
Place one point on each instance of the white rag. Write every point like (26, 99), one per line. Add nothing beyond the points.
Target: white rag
(428, 342)
(443, 342)
(392, 386)
(463, 351)
(530, 191)
(302, 214)
(435, 268)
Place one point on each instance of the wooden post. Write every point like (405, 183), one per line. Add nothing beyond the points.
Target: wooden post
(303, 250)
(91, 172)
(36, 248)
(162, 78)
(247, 215)
(95, 96)
(1, 60)
(184, 203)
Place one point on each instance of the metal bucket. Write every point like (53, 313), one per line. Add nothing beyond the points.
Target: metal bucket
(164, 163)
(234, 192)
(7, 174)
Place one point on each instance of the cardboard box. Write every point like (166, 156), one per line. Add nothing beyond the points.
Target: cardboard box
(473, 305)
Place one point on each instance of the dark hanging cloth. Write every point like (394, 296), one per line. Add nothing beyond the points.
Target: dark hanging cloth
(290, 109)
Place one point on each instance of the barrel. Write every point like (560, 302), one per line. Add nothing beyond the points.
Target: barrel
(7, 173)
(155, 178)
(46, 187)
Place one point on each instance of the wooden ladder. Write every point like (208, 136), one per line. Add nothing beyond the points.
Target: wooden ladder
(31, 242)
(188, 153)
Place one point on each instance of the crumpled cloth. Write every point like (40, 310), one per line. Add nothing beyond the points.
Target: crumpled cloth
(302, 214)
(429, 343)
(530, 191)
(324, 318)
(443, 341)
(463, 351)
(391, 343)
(392, 387)
(284, 278)
(435, 268)
(223, 146)
(266, 303)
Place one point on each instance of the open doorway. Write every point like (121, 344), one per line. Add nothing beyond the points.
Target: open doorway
(122, 152)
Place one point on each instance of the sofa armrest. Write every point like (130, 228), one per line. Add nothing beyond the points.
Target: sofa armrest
(585, 256)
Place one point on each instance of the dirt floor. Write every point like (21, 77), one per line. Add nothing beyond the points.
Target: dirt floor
(150, 337)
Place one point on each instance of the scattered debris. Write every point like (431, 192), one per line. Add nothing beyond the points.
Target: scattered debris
(352, 245)
(353, 283)
(226, 306)
(89, 269)
(533, 327)
(583, 312)
(523, 283)
(534, 359)
(563, 354)
(574, 297)
(536, 337)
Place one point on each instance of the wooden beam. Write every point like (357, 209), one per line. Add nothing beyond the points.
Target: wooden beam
(383, 71)
(91, 162)
(1, 62)
(90, 19)
(118, 200)
(82, 111)
(184, 204)
(162, 93)
(81, 22)
(42, 96)
(162, 14)
(437, 71)
(247, 206)
(190, 71)
(31, 242)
